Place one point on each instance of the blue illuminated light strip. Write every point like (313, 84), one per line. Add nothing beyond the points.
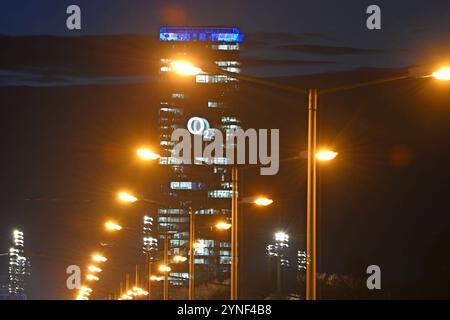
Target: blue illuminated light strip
(201, 34)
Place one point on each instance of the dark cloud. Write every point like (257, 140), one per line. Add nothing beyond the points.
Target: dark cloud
(86, 55)
(44, 79)
(258, 62)
(327, 50)
(268, 38)
(280, 38)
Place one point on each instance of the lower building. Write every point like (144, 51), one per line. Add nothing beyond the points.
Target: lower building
(18, 268)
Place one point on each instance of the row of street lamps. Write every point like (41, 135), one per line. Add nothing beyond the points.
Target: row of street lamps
(147, 154)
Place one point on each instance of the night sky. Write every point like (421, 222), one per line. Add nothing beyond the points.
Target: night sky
(412, 31)
(72, 111)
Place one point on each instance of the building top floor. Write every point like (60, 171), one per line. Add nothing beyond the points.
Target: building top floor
(201, 34)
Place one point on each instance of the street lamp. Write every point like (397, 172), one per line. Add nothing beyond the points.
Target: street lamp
(126, 197)
(263, 201)
(126, 297)
(223, 225)
(155, 278)
(112, 226)
(185, 68)
(99, 258)
(164, 268)
(326, 155)
(91, 277)
(84, 293)
(94, 269)
(179, 258)
(85, 289)
(442, 74)
(147, 154)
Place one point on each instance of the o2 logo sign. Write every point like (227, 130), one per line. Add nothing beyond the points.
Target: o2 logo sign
(197, 125)
(200, 126)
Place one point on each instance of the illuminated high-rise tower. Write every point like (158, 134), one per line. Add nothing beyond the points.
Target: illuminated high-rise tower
(198, 103)
(19, 267)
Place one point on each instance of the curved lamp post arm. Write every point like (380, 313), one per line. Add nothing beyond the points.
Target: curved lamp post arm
(364, 84)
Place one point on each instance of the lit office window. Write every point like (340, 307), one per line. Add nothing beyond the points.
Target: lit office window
(226, 185)
(170, 160)
(229, 127)
(172, 211)
(226, 120)
(225, 260)
(173, 219)
(172, 127)
(215, 104)
(168, 143)
(220, 160)
(165, 136)
(183, 275)
(200, 261)
(178, 95)
(228, 47)
(233, 69)
(228, 63)
(219, 78)
(185, 185)
(171, 110)
(220, 194)
(214, 211)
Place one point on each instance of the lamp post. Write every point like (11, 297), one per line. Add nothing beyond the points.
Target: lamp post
(311, 195)
(166, 272)
(191, 254)
(234, 234)
(149, 274)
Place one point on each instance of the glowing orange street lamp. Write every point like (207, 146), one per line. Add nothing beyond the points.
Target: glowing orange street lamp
(91, 277)
(164, 268)
(94, 269)
(112, 226)
(326, 155)
(442, 74)
(223, 225)
(185, 68)
(99, 258)
(179, 258)
(147, 154)
(263, 201)
(126, 197)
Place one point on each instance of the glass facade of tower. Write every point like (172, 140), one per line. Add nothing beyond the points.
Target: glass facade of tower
(204, 102)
